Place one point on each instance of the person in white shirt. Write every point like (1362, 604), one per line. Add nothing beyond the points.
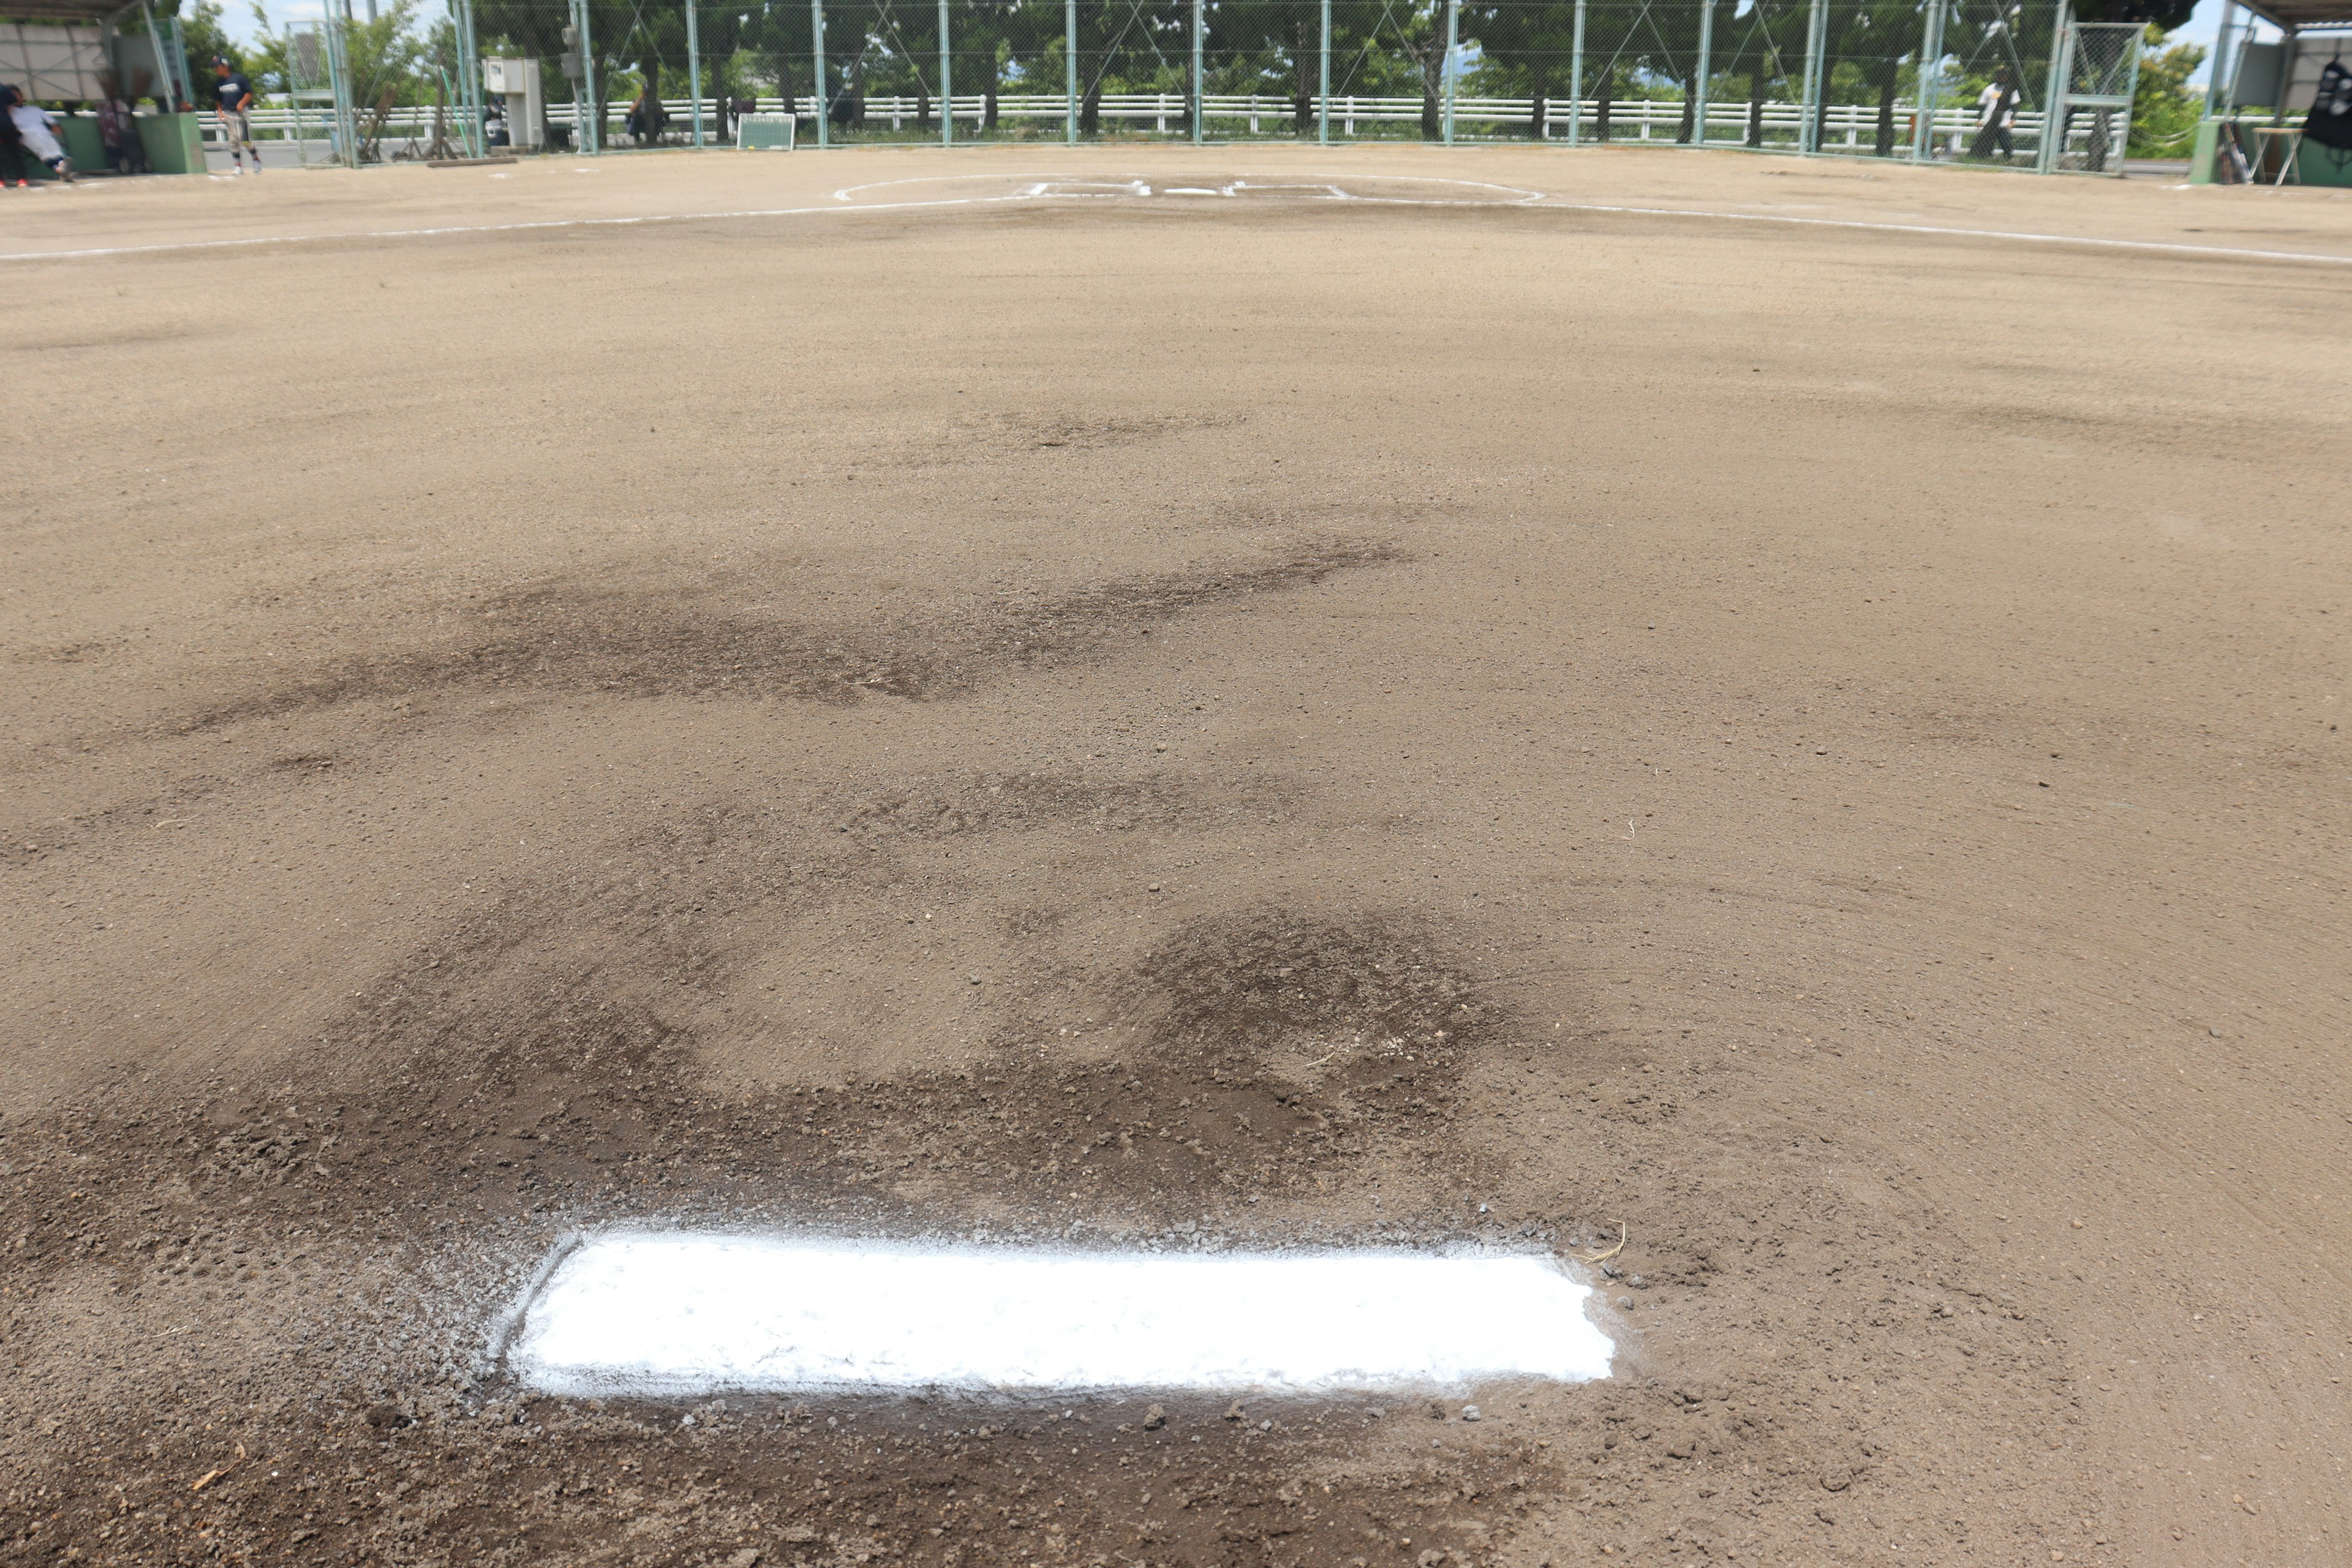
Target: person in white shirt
(36, 129)
(1997, 117)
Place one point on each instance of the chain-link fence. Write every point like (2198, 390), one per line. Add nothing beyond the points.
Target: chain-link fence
(1950, 81)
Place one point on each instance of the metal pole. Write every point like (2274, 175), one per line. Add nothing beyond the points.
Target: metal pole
(579, 118)
(177, 89)
(1452, 38)
(467, 106)
(1070, 61)
(588, 82)
(2053, 118)
(1809, 133)
(155, 42)
(1323, 104)
(1576, 78)
(1930, 71)
(2131, 96)
(694, 70)
(824, 99)
(1199, 96)
(947, 82)
(338, 82)
(2214, 78)
(1706, 62)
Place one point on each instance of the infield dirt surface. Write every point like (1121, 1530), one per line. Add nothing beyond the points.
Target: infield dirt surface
(1181, 720)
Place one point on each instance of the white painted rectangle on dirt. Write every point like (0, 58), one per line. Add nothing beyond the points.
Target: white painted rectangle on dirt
(685, 1313)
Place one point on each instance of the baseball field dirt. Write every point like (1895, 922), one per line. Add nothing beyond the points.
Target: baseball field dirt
(1784, 712)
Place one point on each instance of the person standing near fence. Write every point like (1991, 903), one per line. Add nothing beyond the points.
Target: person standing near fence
(233, 99)
(12, 149)
(118, 131)
(1997, 117)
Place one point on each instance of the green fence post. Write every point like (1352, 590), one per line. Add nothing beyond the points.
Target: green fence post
(468, 96)
(1199, 96)
(588, 78)
(1452, 38)
(1576, 78)
(2053, 118)
(338, 82)
(816, 36)
(947, 82)
(2216, 76)
(1323, 103)
(1930, 70)
(694, 70)
(1817, 27)
(1705, 61)
(1070, 61)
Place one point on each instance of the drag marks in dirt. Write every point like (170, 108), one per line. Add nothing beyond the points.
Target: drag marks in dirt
(575, 637)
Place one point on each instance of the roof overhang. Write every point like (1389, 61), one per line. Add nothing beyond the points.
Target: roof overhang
(2301, 15)
(69, 11)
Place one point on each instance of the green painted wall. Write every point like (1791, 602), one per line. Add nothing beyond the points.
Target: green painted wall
(2313, 164)
(174, 144)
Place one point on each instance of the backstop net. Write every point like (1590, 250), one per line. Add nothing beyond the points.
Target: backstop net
(1971, 81)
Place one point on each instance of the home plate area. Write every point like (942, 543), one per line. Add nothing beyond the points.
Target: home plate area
(1186, 187)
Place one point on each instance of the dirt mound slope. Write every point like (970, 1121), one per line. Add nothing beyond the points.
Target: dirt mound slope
(1811, 752)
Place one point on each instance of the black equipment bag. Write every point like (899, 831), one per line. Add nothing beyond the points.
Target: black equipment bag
(2330, 123)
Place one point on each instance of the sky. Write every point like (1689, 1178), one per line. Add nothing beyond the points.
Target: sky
(2199, 28)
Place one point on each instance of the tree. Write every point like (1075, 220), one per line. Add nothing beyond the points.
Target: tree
(1767, 51)
(1524, 48)
(2164, 112)
(204, 40)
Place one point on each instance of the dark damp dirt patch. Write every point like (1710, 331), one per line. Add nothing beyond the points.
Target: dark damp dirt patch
(690, 899)
(307, 1271)
(747, 1481)
(673, 640)
(928, 810)
(288, 1289)
(586, 639)
(1096, 435)
(1275, 979)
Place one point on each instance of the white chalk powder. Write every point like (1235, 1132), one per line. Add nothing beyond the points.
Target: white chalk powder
(682, 1313)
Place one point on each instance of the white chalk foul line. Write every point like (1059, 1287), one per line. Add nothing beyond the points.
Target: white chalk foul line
(1545, 204)
(678, 1313)
(2023, 236)
(494, 228)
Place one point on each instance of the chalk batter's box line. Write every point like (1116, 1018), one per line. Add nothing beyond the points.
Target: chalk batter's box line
(2021, 236)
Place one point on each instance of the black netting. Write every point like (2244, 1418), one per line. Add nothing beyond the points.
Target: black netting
(1967, 80)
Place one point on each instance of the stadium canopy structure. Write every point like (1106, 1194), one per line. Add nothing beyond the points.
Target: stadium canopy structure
(2294, 15)
(71, 11)
(57, 51)
(2259, 86)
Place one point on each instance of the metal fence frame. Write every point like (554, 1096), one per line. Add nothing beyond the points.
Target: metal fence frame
(2094, 111)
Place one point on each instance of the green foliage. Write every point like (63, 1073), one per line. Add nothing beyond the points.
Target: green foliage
(207, 41)
(2165, 110)
(386, 55)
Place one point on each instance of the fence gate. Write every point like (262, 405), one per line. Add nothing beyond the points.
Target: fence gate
(2098, 71)
(319, 86)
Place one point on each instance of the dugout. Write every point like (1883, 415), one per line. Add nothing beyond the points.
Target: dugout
(56, 54)
(2261, 94)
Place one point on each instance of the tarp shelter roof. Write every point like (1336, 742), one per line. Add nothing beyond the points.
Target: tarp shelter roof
(67, 11)
(2296, 14)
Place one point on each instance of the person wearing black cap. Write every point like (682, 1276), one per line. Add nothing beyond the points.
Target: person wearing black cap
(233, 97)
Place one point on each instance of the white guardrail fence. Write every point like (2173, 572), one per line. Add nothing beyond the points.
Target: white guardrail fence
(1848, 126)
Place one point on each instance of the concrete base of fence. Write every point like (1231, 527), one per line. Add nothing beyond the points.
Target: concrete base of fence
(175, 142)
(2313, 164)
